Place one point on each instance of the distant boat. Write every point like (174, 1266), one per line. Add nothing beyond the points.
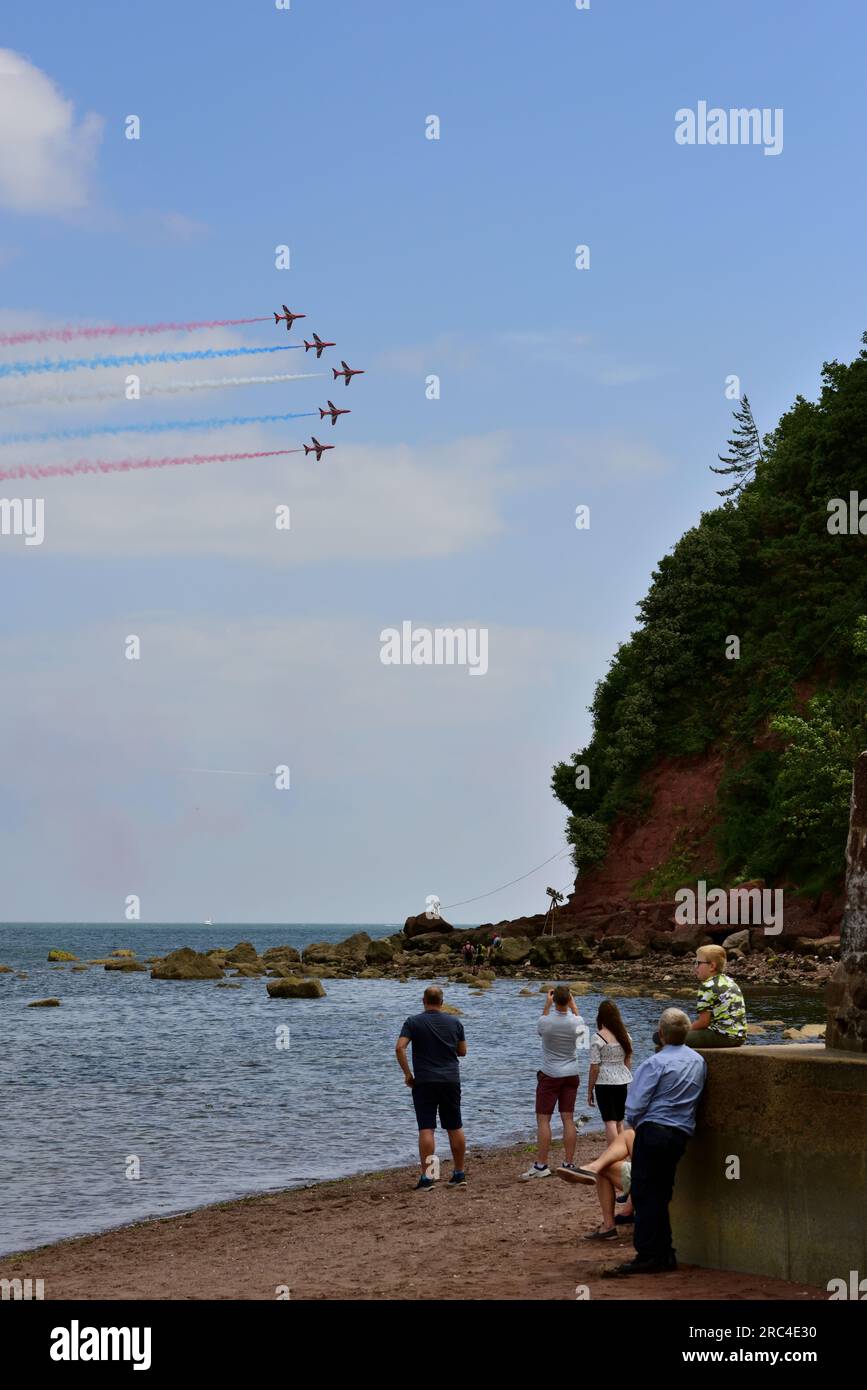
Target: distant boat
(207, 922)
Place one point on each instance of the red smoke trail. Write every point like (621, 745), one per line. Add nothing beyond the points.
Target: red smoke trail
(67, 470)
(115, 330)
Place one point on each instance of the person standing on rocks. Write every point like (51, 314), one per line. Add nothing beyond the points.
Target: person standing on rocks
(438, 1041)
(562, 1033)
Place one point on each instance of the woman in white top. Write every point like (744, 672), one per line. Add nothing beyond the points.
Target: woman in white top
(609, 1075)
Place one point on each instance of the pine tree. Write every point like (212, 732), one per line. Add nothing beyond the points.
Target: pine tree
(746, 451)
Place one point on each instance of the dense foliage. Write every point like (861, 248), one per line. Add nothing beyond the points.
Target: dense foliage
(763, 567)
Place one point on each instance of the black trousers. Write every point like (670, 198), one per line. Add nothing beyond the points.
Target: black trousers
(656, 1152)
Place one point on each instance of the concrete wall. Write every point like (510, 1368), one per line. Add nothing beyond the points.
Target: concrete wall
(796, 1117)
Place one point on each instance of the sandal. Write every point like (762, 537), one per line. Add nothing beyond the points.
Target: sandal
(601, 1235)
(576, 1175)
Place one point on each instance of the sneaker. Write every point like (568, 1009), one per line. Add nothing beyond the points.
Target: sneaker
(457, 1180)
(424, 1185)
(536, 1172)
(570, 1167)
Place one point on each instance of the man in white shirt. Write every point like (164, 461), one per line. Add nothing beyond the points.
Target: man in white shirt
(562, 1033)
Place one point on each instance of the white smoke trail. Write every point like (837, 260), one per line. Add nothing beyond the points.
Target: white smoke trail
(168, 388)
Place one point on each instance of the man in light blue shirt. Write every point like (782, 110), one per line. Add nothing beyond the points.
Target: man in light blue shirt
(661, 1107)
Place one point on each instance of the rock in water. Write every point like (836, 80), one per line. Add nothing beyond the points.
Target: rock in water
(244, 952)
(295, 989)
(280, 955)
(186, 964)
(55, 954)
(379, 952)
(125, 966)
(44, 1004)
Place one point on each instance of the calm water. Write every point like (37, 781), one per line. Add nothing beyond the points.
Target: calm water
(189, 1078)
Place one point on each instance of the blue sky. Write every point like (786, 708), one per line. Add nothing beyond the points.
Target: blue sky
(454, 257)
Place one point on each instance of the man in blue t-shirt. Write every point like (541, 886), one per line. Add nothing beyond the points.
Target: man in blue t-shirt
(437, 1042)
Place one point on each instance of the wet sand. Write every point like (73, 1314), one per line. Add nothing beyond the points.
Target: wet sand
(372, 1237)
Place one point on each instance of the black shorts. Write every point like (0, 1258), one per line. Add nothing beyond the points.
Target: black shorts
(611, 1101)
(428, 1097)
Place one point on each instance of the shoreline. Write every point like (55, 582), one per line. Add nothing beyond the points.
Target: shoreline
(371, 1237)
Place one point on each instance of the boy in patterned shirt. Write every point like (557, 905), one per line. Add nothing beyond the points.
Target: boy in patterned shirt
(722, 1017)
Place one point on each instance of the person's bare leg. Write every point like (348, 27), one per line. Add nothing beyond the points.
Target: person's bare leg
(611, 1130)
(458, 1143)
(619, 1126)
(620, 1149)
(605, 1191)
(426, 1148)
(543, 1139)
(570, 1136)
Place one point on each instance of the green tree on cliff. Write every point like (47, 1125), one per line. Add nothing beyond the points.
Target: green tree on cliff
(762, 565)
(746, 451)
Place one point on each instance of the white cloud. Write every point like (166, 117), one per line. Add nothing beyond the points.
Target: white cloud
(46, 156)
(362, 502)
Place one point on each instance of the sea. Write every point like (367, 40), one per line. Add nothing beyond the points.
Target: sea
(139, 1098)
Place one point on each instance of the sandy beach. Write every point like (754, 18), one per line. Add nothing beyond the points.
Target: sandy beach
(372, 1237)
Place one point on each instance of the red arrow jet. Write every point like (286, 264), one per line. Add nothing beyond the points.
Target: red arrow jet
(317, 344)
(333, 411)
(288, 315)
(347, 371)
(316, 448)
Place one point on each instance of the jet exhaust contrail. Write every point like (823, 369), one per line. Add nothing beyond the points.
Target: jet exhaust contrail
(68, 470)
(168, 388)
(134, 359)
(151, 427)
(117, 330)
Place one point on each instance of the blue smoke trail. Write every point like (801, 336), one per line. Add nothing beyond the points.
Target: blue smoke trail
(135, 359)
(151, 428)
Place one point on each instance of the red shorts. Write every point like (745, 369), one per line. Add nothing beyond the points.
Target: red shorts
(556, 1091)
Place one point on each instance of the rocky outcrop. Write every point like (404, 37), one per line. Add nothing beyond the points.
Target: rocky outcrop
(380, 953)
(55, 954)
(186, 964)
(125, 967)
(282, 954)
(243, 953)
(421, 923)
(513, 950)
(346, 956)
(295, 989)
(44, 1004)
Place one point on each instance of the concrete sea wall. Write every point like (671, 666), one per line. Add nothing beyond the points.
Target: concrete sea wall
(795, 1118)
